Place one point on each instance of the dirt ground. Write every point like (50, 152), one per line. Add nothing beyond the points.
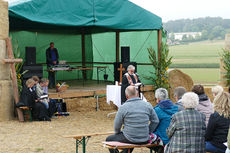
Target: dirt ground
(47, 137)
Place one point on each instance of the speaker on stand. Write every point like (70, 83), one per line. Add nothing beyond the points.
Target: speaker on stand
(125, 54)
(30, 55)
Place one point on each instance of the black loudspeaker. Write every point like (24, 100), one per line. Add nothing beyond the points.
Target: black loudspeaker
(125, 54)
(125, 65)
(30, 55)
(32, 70)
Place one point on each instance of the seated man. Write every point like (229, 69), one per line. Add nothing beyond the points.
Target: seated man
(164, 109)
(138, 117)
(40, 91)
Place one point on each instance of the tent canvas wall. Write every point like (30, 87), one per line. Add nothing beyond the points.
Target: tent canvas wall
(65, 22)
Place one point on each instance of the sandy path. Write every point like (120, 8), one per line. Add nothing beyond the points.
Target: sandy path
(46, 137)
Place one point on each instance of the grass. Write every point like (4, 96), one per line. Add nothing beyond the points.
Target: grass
(200, 52)
(199, 60)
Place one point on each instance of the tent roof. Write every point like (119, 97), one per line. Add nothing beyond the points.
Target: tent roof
(111, 14)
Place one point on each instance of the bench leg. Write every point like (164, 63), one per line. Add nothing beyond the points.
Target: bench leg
(83, 145)
(77, 142)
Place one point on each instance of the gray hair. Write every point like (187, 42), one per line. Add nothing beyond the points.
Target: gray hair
(130, 67)
(44, 80)
(161, 94)
(179, 92)
(190, 100)
(131, 91)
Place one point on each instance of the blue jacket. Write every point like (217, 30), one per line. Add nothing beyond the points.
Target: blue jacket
(164, 109)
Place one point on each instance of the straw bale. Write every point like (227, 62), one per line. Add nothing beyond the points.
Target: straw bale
(5, 68)
(4, 20)
(178, 78)
(6, 100)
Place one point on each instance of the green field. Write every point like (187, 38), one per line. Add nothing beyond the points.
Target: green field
(200, 60)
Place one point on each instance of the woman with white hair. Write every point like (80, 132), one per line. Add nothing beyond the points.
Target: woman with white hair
(187, 128)
(218, 125)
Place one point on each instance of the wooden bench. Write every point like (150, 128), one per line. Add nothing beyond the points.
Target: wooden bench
(81, 139)
(26, 111)
(122, 146)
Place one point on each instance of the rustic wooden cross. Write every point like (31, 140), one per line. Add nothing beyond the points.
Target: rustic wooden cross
(121, 69)
(11, 60)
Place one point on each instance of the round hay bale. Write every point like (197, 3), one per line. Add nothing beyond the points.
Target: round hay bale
(5, 68)
(227, 41)
(4, 20)
(178, 78)
(6, 100)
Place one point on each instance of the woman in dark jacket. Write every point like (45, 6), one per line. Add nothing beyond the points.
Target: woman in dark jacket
(29, 98)
(218, 125)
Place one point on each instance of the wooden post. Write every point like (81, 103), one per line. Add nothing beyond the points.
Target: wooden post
(158, 43)
(121, 69)
(117, 46)
(14, 78)
(83, 53)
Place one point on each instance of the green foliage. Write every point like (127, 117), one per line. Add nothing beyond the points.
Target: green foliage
(226, 60)
(18, 66)
(160, 66)
(211, 27)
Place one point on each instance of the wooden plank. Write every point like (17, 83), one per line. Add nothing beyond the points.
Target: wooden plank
(117, 46)
(14, 78)
(100, 92)
(11, 61)
(83, 52)
(158, 43)
(130, 146)
(88, 135)
(76, 94)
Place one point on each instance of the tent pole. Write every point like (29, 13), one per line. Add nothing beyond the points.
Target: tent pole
(117, 45)
(158, 43)
(83, 53)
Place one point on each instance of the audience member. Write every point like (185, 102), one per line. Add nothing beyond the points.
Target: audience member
(187, 128)
(178, 93)
(228, 149)
(205, 106)
(40, 91)
(218, 125)
(139, 119)
(36, 79)
(164, 110)
(29, 98)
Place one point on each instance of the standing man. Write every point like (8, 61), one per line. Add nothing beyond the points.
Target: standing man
(138, 119)
(129, 79)
(51, 60)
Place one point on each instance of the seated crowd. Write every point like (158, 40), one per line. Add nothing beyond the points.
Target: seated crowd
(35, 95)
(193, 124)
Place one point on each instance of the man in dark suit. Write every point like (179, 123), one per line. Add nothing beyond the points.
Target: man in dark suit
(51, 60)
(129, 79)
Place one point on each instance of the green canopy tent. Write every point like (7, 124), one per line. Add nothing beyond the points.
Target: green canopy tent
(87, 32)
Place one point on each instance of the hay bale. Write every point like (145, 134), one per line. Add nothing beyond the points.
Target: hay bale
(6, 100)
(4, 20)
(178, 78)
(227, 41)
(5, 68)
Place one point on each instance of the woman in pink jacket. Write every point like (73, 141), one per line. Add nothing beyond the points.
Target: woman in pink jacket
(205, 106)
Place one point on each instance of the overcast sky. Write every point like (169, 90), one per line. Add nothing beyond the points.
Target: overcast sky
(178, 9)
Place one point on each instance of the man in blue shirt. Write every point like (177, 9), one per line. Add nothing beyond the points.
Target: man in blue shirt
(51, 60)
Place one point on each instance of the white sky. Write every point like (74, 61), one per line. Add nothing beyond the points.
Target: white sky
(179, 9)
